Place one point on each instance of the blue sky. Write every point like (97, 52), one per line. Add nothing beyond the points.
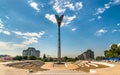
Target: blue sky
(93, 24)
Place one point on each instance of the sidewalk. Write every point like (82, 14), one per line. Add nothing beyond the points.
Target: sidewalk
(4, 70)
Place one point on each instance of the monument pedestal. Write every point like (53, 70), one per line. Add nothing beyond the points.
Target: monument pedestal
(59, 65)
(55, 66)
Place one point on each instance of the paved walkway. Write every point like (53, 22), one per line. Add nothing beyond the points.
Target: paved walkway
(53, 72)
(66, 66)
(4, 70)
(110, 71)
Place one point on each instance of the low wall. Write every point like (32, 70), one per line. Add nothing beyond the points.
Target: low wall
(103, 63)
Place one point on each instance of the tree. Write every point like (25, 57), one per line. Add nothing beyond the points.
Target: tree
(45, 59)
(44, 56)
(106, 53)
(39, 58)
(50, 59)
(24, 57)
(114, 46)
(32, 58)
(65, 58)
(118, 50)
(68, 59)
(17, 58)
(100, 58)
(113, 52)
(76, 58)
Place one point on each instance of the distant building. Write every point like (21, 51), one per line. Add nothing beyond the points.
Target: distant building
(88, 55)
(31, 52)
(5, 58)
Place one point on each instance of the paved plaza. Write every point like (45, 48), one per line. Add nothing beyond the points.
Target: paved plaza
(4, 70)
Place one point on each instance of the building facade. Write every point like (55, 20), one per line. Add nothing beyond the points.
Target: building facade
(31, 52)
(5, 58)
(88, 55)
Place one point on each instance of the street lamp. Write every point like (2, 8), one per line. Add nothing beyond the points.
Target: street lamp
(59, 20)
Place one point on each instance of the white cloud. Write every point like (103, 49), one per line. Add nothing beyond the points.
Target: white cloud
(28, 34)
(30, 37)
(2, 29)
(103, 9)
(100, 32)
(60, 6)
(116, 1)
(1, 24)
(107, 6)
(119, 44)
(34, 5)
(10, 46)
(51, 17)
(118, 24)
(92, 19)
(79, 5)
(100, 11)
(5, 32)
(115, 30)
(5, 45)
(99, 17)
(69, 5)
(66, 19)
(74, 29)
(30, 41)
(7, 17)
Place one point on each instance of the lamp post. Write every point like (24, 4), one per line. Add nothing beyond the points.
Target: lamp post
(59, 20)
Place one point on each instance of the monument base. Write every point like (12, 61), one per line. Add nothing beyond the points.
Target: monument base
(59, 67)
(59, 64)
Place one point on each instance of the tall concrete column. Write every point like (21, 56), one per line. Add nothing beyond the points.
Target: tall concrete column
(59, 20)
(59, 46)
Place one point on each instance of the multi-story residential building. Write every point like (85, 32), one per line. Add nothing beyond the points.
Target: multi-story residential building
(31, 52)
(88, 55)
